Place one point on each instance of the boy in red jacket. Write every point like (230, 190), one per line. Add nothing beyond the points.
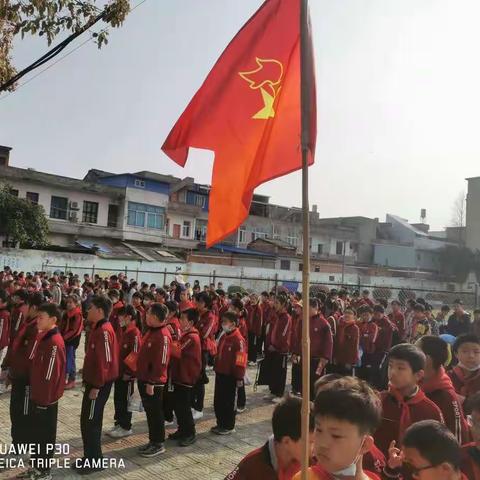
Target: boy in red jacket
(4, 331)
(471, 450)
(438, 386)
(17, 363)
(255, 324)
(71, 326)
(230, 367)
(346, 343)
(278, 349)
(152, 367)
(368, 337)
(206, 329)
(347, 412)
(466, 375)
(100, 369)
(47, 383)
(117, 304)
(383, 344)
(125, 384)
(186, 365)
(404, 403)
(173, 325)
(397, 317)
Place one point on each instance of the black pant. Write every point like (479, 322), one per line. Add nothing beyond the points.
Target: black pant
(241, 397)
(261, 341)
(168, 401)
(123, 391)
(20, 411)
(297, 382)
(252, 347)
(198, 396)
(153, 405)
(182, 396)
(278, 377)
(91, 421)
(44, 432)
(224, 400)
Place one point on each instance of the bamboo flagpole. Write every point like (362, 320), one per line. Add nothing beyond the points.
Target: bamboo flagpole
(306, 145)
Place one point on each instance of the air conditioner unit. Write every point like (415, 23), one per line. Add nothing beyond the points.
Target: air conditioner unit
(73, 217)
(74, 206)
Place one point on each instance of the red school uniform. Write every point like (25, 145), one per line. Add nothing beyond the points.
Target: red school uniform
(186, 360)
(100, 365)
(346, 343)
(316, 472)
(18, 317)
(231, 356)
(255, 319)
(398, 319)
(154, 356)
(71, 326)
(47, 369)
(440, 390)
(115, 320)
(465, 383)
(321, 339)
(368, 336)
(173, 326)
(131, 341)
(281, 333)
(205, 327)
(470, 465)
(399, 413)
(4, 328)
(385, 335)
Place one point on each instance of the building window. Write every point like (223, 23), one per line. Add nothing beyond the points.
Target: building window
(141, 215)
(139, 183)
(339, 248)
(201, 230)
(317, 269)
(258, 234)
(200, 200)
(331, 278)
(292, 240)
(300, 267)
(320, 249)
(242, 235)
(284, 264)
(14, 192)
(32, 197)
(59, 208)
(112, 216)
(186, 229)
(90, 212)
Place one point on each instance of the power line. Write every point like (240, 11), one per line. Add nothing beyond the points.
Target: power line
(54, 52)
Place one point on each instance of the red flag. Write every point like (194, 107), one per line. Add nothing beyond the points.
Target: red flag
(248, 111)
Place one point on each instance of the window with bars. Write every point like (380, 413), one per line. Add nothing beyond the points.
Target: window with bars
(90, 212)
(186, 229)
(59, 208)
(32, 197)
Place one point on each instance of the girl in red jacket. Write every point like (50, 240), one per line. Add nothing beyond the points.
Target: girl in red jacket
(71, 326)
(230, 366)
(237, 308)
(346, 343)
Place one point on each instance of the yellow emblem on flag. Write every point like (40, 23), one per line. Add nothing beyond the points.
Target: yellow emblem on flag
(267, 78)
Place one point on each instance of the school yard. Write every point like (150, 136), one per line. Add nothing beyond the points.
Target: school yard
(212, 457)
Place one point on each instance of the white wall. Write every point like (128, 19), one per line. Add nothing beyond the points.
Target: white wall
(175, 219)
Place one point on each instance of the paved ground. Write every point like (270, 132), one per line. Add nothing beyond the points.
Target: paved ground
(212, 457)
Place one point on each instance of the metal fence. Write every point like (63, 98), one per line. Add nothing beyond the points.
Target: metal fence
(435, 297)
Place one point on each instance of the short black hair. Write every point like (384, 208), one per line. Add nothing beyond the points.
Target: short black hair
(205, 298)
(364, 309)
(35, 299)
(436, 349)
(51, 310)
(445, 308)
(379, 308)
(232, 317)
(127, 310)
(350, 309)
(287, 419)
(22, 294)
(172, 306)
(465, 338)
(324, 379)
(113, 292)
(352, 400)
(104, 303)
(149, 296)
(282, 299)
(159, 310)
(410, 354)
(435, 442)
(419, 307)
(191, 314)
(314, 303)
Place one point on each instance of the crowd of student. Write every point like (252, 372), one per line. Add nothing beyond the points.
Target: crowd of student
(391, 384)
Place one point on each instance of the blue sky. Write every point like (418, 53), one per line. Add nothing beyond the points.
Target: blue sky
(398, 101)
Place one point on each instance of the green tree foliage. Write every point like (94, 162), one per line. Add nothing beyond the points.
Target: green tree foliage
(22, 221)
(49, 18)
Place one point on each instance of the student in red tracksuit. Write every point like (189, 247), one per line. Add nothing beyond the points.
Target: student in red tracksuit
(186, 365)
(279, 349)
(471, 449)
(346, 345)
(173, 325)
(137, 303)
(404, 403)
(4, 329)
(117, 304)
(230, 367)
(47, 383)
(152, 370)
(321, 345)
(266, 308)
(466, 375)
(185, 303)
(17, 362)
(130, 343)
(383, 344)
(368, 330)
(255, 325)
(71, 326)
(397, 317)
(100, 369)
(205, 327)
(236, 306)
(438, 386)
(19, 311)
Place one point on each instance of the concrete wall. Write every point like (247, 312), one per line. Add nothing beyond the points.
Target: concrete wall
(473, 214)
(394, 256)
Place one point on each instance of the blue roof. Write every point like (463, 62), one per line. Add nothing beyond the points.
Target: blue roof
(245, 251)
